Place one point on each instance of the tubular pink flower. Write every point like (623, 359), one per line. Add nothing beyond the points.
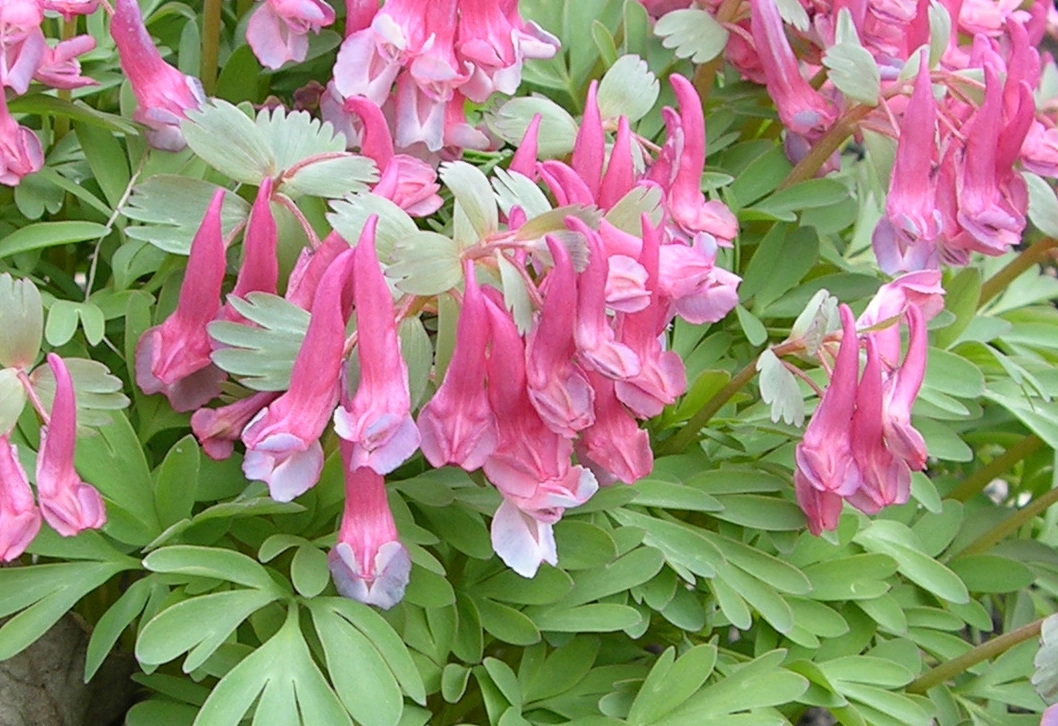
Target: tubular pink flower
(67, 503)
(662, 377)
(590, 146)
(359, 14)
(905, 237)
(260, 266)
(19, 515)
(824, 456)
(921, 289)
(620, 174)
(20, 150)
(700, 291)
(282, 440)
(69, 9)
(485, 39)
(378, 419)
(217, 429)
(59, 67)
(558, 387)
(163, 93)
(525, 156)
(594, 337)
(278, 29)
(886, 478)
(626, 285)
(614, 447)
(565, 184)
(901, 389)
(801, 108)
(368, 564)
(310, 268)
(457, 425)
(821, 508)
(22, 44)
(174, 358)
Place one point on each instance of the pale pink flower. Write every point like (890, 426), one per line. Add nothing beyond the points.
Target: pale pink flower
(20, 150)
(921, 289)
(278, 30)
(22, 44)
(309, 270)
(59, 67)
(19, 515)
(217, 429)
(71, 8)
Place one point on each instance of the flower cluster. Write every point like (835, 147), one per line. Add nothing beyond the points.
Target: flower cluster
(547, 410)
(964, 114)
(67, 504)
(860, 445)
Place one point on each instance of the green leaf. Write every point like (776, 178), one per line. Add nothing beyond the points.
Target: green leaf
(760, 512)
(754, 329)
(199, 625)
(505, 680)
(558, 130)
(177, 481)
(781, 260)
(992, 573)
(454, 680)
(811, 194)
(692, 33)
(223, 564)
(634, 568)
(78, 111)
(22, 315)
(473, 195)
(361, 677)
(658, 493)
(331, 178)
(855, 577)
(172, 207)
(594, 618)
(49, 234)
(157, 711)
(309, 571)
(507, 624)
(952, 374)
(12, 398)
(963, 292)
(684, 547)
(261, 354)
(583, 545)
(229, 141)
(895, 540)
(427, 263)
(351, 214)
(628, 89)
(107, 160)
(670, 683)
(854, 72)
(779, 389)
(548, 586)
(1043, 204)
(114, 622)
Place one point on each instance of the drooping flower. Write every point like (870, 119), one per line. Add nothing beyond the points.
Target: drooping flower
(174, 358)
(377, 421)
(901, 389)
(259, 271)
(457, 425)
(22, 44)
(278, 30)
(20, 149)
(309, 270)
(822, 508)
(369, 564)
(163, 94)
(217, 429)
(59, 67)
(67, 503)
(920, 289)
(824, 456)
(282, 440)
(19, 515)
(614, 447)
(688, 276)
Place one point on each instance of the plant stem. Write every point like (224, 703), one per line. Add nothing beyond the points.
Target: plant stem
(210, 45)
(830, 142)
(62, 123)
(1010, 524)
(705, 74)
(1033, 255)
(973, 484)
(990, 649)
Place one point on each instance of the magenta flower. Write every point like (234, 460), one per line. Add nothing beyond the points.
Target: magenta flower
(282, 440)
(369, 564)
(19, 515)
(20, 150)
(886, 477)
(457, 425)
(278, 30)
(589, 149)
(824, 456)
(173, 358)
(217, 429)
(359, 14)
(901, 389)
(377, 421)
(662, 377)
(71, 8)
(700, 291)
(163, 93)
(905, 238)
(59, 67)
(309, 270)
(525, 156)
(915, 289)
(67, 503)
(620, 174)
(594, 337)
(822, 508)
(260, 267)
(614, 447)
(558, 387)
(802, 109)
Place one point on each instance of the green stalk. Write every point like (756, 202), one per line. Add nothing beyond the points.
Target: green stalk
(1011, 524)
(62, 123)
(990, 649)
(1033, 255)
(832, 140)
(976, 482)
(210, 45)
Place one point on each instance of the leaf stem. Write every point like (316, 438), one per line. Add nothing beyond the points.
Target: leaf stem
(705, 74)
(210, 45)
(989, 649)
(976, 482)
(62, 123)
(1033, 255)
(830, 142)
(1011, 524)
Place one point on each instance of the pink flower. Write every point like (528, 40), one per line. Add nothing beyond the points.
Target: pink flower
(368, 564)
(282, 440)
(802, 109)
(614, 447)
(278, 30)
(620, 174)
(918, 289)
(824, 456)
(821, 508)
(589, 149)
(174, 358)
(71, 8)
(59, 67)
(886, 477)
(525, 156)
(22, 44)
(217, 429)
(1039, 153)
(163, 93)
(700, 291)
(377, 422)
(900, 392)
(558, 387)
(259, 271)
(310, 268)
(20, 150)
(457, 425)
(906, 236)
(19, 516)
(67, 503)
